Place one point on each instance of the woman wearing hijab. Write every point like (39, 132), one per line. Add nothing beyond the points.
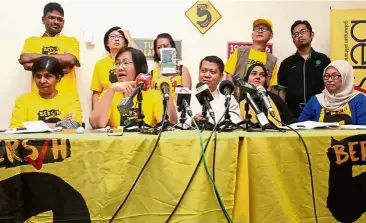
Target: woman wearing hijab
(257, 76)
(338, 102)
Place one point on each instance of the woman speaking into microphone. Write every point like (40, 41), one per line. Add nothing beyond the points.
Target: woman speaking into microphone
(129, 64)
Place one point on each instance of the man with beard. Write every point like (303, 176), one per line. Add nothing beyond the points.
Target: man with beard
(301, 75)
(244, 57)
(64, 49)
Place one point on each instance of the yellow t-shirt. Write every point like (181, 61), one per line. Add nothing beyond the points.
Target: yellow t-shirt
(103, 75)
(32, 107)
(56, 45)
(152, 108)
(254, 57)
(176, 80)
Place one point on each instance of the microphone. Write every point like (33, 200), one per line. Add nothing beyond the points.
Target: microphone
(184, 100)
(227, 88)
(143, 82)
(204, 96)
(241, 87)
(164, 84)
(261, 117)
(264, 97)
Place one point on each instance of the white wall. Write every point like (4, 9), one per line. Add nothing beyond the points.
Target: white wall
(22, 18)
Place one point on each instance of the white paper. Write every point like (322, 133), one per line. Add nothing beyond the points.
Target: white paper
(352, 127)
(31, 127)
(311, 125)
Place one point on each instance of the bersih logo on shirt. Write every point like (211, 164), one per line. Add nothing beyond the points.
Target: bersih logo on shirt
(49, 50)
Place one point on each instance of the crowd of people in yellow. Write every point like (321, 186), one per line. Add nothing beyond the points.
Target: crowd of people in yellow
(306, 85)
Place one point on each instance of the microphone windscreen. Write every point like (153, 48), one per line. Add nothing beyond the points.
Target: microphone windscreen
(144, 79)
(226, 84)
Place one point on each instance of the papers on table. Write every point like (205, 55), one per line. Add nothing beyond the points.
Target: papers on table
(32, 127)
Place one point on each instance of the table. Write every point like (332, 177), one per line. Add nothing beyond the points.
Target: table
(278, 178)
(262, 177)
(86, 177)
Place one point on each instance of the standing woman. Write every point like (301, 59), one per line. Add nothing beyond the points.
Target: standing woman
(182, 77)
(104, 73)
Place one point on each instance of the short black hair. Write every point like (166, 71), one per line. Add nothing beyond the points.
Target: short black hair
(138, 59)
(298, 22)
(106, 37)
(53, 6)
(171, 41)
(48, 63)
(214, 59)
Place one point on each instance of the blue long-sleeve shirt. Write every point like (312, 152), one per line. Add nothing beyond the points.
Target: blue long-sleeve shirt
(357, 105)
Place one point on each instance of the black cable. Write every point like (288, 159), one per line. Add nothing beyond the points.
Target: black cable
(214, 154)
(143, 168)
(310, 168)
(195, 171)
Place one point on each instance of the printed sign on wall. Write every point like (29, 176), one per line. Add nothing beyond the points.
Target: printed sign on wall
(203, 15)
(147, 47)
(232, 46)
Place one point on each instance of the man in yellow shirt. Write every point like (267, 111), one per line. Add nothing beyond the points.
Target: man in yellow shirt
(64, 49)
(243, 57)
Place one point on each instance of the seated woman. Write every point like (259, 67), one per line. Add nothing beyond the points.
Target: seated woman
(338, 102)
(257, 75)
(129, 63)
(114, 39)
(182, 77)
(47, 104)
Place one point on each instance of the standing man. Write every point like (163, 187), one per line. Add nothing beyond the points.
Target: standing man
(243, 57)
(64, 49)
(301, 75)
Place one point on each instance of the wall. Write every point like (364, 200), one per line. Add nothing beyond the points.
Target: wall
(146, 19)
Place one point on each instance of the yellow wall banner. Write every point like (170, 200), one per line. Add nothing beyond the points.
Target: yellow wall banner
(348, 41)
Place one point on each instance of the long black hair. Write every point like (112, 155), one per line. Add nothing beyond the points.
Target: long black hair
(160, 36)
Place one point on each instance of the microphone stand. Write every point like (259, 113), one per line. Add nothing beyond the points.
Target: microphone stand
(167, 125)
(182, 120)
(204, 123)
(139, 122)
(227, 125)
(248, 119)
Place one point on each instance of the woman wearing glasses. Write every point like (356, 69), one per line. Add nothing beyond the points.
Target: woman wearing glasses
(338, 102)
(104, 74)
(129, 63)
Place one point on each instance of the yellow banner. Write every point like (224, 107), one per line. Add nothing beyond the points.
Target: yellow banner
(85, 178)
(348, 41)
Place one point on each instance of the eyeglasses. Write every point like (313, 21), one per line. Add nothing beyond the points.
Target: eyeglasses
(123, 63)
(261, 28)
(301, 32)
(333, 76)
(59, 19)
(116, 37)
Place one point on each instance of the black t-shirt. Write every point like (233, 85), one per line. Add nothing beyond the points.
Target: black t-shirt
(299, 87)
